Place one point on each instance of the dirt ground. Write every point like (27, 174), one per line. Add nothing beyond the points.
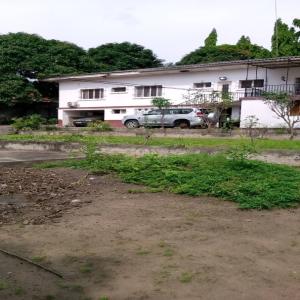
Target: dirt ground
(112, 240)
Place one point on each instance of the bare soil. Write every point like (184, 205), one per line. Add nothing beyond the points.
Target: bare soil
(119, 241)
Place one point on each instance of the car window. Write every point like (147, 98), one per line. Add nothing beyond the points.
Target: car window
(153, 112)
(181, 111)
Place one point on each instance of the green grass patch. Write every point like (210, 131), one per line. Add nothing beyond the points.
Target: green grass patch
(186, 277)
(3, 285)
(251, 184)
(86, 268)
(261, 144)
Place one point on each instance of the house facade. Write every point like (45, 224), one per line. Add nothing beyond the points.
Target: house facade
(113, 95)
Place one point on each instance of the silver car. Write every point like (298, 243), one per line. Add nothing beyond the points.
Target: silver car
(170, 117)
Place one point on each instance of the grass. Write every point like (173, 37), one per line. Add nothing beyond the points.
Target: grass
(261, 144)
(19, 291)
(168, 252)
(86, 268)
(186, 277)
(38, 259)
(143, 252)
(3, 285)
(251, 184)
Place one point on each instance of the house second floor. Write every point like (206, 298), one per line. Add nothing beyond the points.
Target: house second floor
(181, 84)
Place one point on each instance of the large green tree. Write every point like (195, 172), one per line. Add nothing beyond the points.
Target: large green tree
(123, 56)
(254, 50)
(211, 40)
(26, 58)
(211, 52)
(285, 39)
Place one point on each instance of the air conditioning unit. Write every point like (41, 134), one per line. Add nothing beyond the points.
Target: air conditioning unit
(72, 104)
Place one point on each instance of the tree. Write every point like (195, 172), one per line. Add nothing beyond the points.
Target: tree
(214, 54)
(211, 40)
(283, 106)
(296, 23)
(216, 102)
(162, 104)
(254, 51)
(26, 58)
(285, 40)
(123, 56)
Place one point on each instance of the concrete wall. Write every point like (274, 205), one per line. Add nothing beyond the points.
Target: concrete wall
(266, 118)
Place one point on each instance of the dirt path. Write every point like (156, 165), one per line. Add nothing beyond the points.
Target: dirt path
(121, 242)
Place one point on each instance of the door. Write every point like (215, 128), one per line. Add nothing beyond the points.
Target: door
(225, 89)
(152, 118)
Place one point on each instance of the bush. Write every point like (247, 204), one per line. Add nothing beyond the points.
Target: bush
(32, 122)
(241, 153)
(99, 126)
(52, 121)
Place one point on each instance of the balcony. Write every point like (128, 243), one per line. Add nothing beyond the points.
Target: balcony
(200, 98)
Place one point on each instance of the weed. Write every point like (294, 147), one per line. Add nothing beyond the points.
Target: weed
(103, 298)
(38, 259)
(50, 297)
(19, 291)
(168, 252)
(143, 252)
(99, 125)
(3, 285)
(86, 268)
(186, 277)
(136, 191)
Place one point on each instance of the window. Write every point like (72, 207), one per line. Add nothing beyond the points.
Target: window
(119, 89)
(119, 111)
(202, 85)
(148, 91)
(256, 83)
(181, 111)
(92, 94)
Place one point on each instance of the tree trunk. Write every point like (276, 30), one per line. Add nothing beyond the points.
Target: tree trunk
(292, 132)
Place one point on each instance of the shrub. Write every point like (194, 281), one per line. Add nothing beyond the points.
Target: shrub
(32, 122)
(241, 153)
(52, 121)
(99, 126)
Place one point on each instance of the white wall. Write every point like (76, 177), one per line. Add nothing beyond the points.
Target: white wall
(257, 108)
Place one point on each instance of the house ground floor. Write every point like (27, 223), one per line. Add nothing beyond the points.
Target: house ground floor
(240, 113)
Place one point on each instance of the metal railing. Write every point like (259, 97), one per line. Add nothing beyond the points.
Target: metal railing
(290, 89)
(198, 98)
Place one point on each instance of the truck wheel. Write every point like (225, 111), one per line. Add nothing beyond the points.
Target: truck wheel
(132, 124)
(182, 124)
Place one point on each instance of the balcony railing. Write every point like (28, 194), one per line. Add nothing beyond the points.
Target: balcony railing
(290, 89)
(198, 98)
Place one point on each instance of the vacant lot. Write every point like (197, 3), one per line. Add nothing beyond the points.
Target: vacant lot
(119, 241)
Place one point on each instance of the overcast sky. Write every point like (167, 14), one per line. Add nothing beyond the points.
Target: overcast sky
(171, 28)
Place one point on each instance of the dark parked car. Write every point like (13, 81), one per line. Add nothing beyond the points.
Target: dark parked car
(85, 121)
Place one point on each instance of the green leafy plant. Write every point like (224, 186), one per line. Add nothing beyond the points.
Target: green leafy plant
(241, 153)
(99, 125)
(32, 122)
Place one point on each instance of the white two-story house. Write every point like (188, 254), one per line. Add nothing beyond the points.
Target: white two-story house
(112, 95)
